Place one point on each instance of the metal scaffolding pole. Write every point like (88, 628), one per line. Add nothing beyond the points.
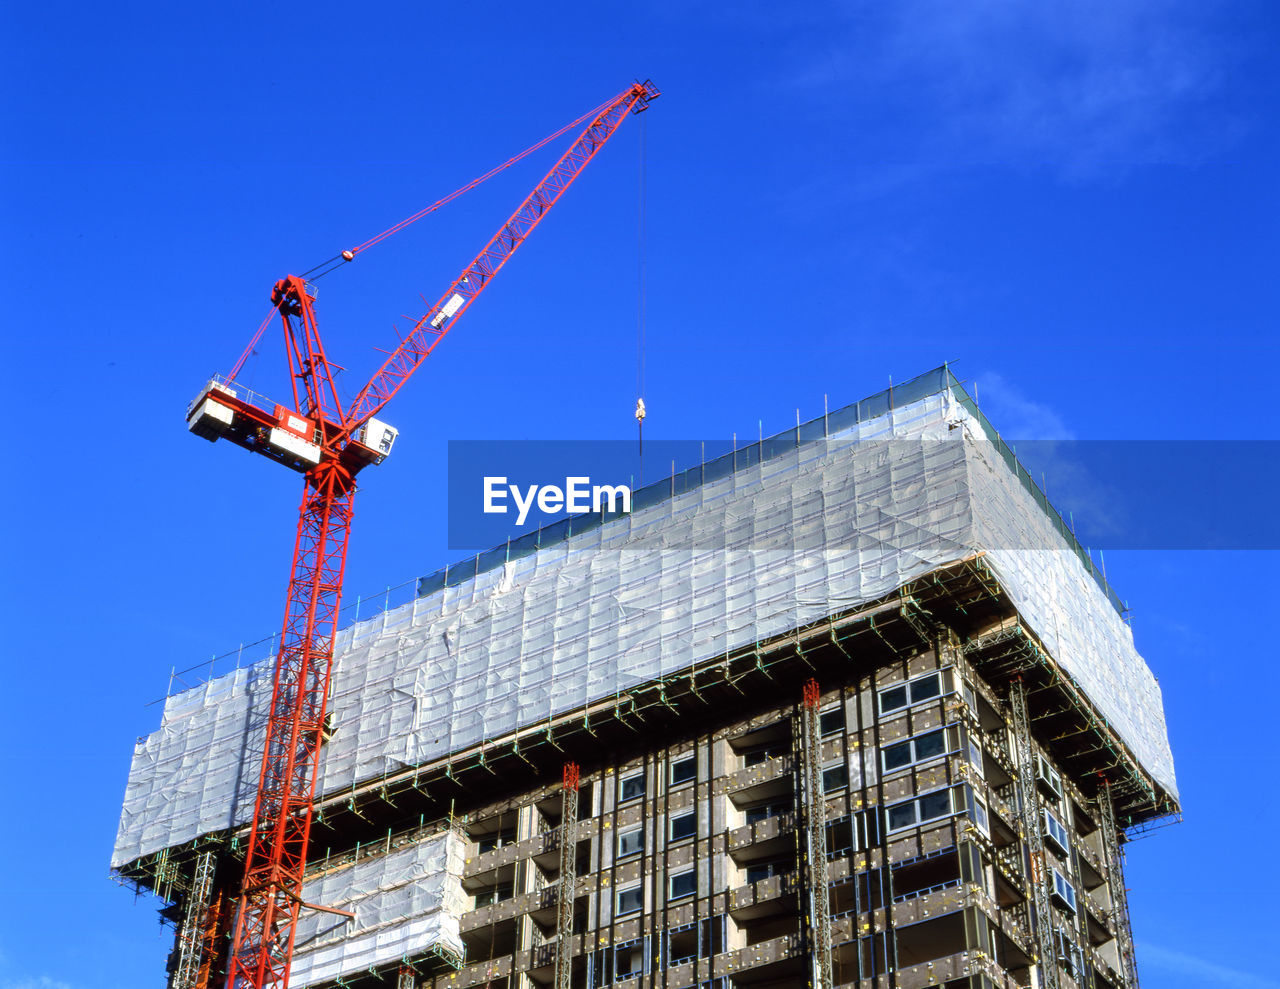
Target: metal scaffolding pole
(191, 938)
(1115, 887)
(568, 875)
(815, 818)
(1030, 809)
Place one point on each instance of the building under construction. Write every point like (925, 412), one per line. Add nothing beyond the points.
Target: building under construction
(849, 706)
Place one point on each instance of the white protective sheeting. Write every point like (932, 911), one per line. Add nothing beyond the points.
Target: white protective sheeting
(814, 531)
(1069, 611)
(406, 903)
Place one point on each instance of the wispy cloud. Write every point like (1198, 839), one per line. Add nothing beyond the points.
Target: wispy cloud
(1049, 451)
(11, 980)
(1086, 87)
(1015, 414)
(36, 982)
(1199, 972)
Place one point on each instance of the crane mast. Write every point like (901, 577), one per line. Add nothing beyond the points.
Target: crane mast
(329, 445)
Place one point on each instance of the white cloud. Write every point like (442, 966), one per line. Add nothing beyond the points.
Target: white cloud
(1088, 87)
(1014, 414)
(1054, 460)
(36, 982)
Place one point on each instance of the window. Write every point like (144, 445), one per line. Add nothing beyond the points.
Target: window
(894, 698)
(902, 815)
(835, 777)
(684, 826)
(683, 884)
(840, 837)
(630, 843)
(897, 756)
(631, 787)
(494, 894)
(866, 828)
(488, 842)
(1063, 891)
(761, 753)
(763, 870)
(913, 692)
(1048, 778)
(976, 759)
(831, 721)
(980, 816)
(934, 805)
(920, 810)
(759, 812)
(1056, 833)
(1069, 954)
(926, 687)
(630, 900)
(629, 960)
(913, 750)
(683, 770)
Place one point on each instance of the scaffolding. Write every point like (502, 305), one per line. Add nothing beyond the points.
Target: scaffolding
(851, 510)
(1029, 805)
(962, 594)
(388, 903)
(191, 936)
(815, 847)
(1115, 887)
(568, 876)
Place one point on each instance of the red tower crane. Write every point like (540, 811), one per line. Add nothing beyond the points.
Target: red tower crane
(330, 444)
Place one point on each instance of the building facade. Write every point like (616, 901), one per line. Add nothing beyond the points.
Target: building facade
(692, 856)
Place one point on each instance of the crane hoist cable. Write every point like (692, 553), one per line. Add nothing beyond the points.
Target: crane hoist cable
(640, 302)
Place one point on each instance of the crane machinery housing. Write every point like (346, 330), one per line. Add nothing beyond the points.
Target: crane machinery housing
(329, 443)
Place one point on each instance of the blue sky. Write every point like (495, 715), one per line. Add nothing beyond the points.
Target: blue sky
(1075, 202)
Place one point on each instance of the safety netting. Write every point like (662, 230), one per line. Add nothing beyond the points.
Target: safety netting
(407, 902)
(820, 525)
